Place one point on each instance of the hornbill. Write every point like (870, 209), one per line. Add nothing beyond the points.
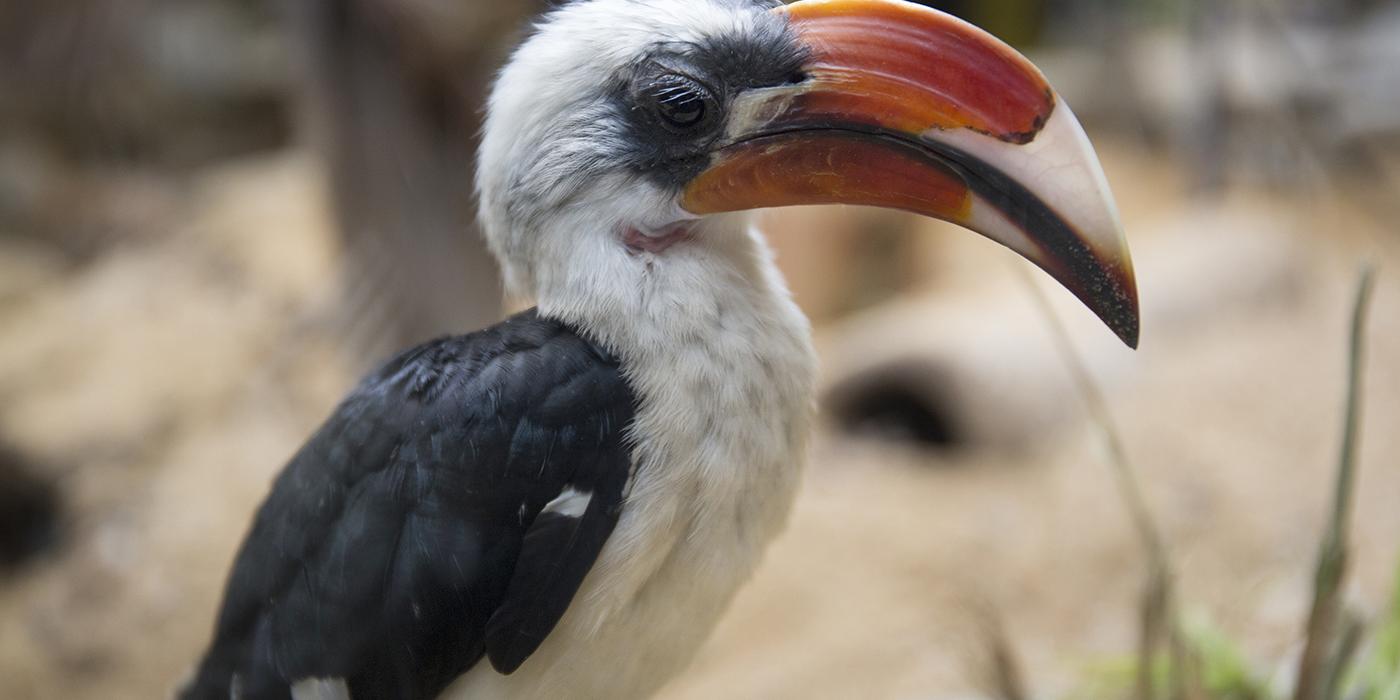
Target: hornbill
(575, 494)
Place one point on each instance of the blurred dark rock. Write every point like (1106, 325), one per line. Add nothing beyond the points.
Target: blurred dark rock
(908, 402)
(29, 510)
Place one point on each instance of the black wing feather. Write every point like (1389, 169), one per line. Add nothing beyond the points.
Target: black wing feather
(549, 571)
(405, 541)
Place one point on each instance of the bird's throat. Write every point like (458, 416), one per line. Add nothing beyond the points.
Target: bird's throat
(638, 242)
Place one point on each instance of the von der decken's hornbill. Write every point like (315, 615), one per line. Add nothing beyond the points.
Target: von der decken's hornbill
(575, 494)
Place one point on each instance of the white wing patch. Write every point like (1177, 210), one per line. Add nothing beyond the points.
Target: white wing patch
(320, 689)
(571, 503)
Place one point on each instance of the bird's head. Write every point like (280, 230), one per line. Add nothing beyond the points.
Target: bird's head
(623, 135)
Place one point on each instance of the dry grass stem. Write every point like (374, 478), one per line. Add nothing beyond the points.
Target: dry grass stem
(1324, 641)
(1158, 605)
(999, 670)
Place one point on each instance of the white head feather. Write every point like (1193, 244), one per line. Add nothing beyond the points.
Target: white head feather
(555, 204)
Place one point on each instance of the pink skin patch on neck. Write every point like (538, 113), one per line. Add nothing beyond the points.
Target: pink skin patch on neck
(638, 242)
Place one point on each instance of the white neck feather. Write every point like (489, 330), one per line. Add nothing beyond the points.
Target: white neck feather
(722, 363)
(653, 305)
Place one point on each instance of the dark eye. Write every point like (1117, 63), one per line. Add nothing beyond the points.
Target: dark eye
(681, 102)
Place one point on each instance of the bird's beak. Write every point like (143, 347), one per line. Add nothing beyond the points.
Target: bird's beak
(905, 107)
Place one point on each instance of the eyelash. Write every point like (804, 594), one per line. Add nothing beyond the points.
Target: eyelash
(681, 92)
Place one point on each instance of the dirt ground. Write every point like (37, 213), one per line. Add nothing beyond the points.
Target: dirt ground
(165, 382)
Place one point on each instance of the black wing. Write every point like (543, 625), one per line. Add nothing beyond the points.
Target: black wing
(410, 536)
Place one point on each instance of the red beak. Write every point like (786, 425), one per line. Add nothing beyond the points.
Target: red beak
(909, 108)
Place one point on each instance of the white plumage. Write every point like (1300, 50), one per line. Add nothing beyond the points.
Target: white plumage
(719, 355)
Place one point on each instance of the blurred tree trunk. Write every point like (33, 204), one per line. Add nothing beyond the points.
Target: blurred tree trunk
(395, 96)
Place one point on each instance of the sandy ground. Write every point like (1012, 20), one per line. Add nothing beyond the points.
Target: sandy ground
(167, 381)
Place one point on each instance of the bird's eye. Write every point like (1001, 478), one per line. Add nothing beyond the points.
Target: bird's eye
(681, 102)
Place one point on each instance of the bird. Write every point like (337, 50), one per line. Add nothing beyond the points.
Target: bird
(563, 505)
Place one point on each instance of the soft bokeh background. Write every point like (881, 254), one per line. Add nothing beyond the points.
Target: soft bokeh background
(215, 214)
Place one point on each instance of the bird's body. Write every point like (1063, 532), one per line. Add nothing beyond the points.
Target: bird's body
(564, 504)
(720, 431)
(714, 431)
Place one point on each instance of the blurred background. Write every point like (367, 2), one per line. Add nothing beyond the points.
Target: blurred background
(216, 214)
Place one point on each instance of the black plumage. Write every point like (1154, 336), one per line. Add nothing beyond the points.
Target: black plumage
(409, 537)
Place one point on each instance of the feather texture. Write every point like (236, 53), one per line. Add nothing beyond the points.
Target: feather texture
(406, 539)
